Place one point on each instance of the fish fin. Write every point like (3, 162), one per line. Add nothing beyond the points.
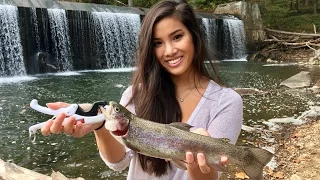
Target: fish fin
(179, 164)
(218, 167)
(181, 126)
(223, 140)
(256, 162)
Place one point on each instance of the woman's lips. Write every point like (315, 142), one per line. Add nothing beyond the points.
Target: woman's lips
(174, 62)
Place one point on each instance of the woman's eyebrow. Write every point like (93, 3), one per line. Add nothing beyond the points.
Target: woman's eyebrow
(174, 32)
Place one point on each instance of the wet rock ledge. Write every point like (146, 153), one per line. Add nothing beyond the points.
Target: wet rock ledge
(11, 171)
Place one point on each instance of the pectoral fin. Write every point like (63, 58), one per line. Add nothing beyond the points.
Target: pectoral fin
(181, 126)
(222, 140)
(217, 166)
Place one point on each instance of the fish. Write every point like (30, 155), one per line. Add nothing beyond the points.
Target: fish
(172, 141)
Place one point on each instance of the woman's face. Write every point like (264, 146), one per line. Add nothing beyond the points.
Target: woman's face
(173, 46)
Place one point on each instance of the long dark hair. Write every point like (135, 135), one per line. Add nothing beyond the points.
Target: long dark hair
(154, 94)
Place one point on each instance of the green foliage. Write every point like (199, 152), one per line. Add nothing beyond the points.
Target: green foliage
(206, 5)
(144, 3)
(283, 15)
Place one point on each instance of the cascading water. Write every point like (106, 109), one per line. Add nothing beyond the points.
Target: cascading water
(225, 37)
(34, 22)
(11, 59)
(55, 40)
(60, 38)
(116, 38)
(235, 39)
(210, 33)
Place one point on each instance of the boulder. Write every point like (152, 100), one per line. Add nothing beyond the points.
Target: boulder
(300, 80)
(11, 171)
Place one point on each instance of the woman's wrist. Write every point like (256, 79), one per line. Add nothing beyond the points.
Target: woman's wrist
(101, 126)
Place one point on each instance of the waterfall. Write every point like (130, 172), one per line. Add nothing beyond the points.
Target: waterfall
(210, 34)
(37, 39)
(11, 59)
(115, 38)
(60, 38)
(225, 37)
(35, 28)
(234, 39)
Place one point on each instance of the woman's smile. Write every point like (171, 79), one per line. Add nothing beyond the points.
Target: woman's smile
(173, 46)
(174, 62)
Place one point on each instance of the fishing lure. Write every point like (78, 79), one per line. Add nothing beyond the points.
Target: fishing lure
(87, 117)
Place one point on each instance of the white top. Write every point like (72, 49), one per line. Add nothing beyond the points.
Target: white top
(220, 112)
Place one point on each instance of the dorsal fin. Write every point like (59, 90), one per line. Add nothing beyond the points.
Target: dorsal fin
(223, 140)
(181, 126)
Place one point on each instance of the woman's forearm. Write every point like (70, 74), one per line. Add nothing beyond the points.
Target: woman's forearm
(109, 147)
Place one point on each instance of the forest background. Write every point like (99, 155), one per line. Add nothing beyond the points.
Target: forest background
(301, 16)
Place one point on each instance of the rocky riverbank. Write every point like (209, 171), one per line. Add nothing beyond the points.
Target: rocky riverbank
(298, 154)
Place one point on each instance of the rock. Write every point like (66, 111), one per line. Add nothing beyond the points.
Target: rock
(299, 80)
(11, 171)
(295, 177)
(249, 91)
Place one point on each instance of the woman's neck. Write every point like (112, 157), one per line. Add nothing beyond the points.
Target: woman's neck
(189, 81)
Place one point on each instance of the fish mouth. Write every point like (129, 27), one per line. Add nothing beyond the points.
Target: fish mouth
(121, 133)
(114, 121)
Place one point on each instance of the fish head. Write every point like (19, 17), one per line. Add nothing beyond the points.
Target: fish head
(117, 119)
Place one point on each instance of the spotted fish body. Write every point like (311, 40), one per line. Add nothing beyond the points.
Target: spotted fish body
(172, 141)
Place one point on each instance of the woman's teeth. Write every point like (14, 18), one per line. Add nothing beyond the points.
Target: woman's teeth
(174, 61)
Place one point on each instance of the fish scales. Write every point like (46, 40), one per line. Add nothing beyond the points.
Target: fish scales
(172, 141)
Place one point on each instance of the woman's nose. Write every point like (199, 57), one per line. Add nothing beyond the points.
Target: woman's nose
(170, 50)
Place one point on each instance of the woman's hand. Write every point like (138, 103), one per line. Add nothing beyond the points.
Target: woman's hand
(200, 169)
(72, 127)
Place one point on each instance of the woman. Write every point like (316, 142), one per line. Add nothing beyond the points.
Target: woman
(171, 84)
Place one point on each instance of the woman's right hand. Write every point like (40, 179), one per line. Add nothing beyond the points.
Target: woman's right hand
(71, 127)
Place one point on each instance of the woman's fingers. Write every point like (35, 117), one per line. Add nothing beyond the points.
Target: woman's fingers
(57, 124)
(57, 105)
(205, 169)
(223, 160)
(69, 127)
(191, 164)
(201, 131)
(45, 130)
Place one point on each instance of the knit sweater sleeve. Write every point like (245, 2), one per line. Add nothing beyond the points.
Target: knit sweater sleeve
(226, 120)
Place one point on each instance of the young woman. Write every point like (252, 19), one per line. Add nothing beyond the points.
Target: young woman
(171, 84)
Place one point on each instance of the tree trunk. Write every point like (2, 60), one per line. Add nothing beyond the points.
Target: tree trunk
(315, 6)
(130, 3)
(306, 3)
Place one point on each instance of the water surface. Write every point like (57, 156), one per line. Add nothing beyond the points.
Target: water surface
(79, 157)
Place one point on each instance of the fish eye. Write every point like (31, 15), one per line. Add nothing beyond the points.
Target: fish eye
(117, 109)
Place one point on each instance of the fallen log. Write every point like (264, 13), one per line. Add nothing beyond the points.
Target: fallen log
(292, 33)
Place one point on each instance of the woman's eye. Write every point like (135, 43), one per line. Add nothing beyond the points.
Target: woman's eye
(177, 37)
(157, 44)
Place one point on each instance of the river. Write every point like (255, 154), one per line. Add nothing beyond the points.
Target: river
(79, 157)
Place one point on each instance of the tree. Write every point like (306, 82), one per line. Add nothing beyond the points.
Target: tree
(315, 6)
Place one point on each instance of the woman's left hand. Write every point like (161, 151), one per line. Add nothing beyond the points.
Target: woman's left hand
(200, 168)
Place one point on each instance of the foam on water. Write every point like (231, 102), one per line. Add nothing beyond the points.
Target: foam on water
(15, 79)
(232, 60)
(129, 69)
(282, 64)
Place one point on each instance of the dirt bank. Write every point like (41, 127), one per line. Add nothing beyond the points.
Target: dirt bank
(298, 153)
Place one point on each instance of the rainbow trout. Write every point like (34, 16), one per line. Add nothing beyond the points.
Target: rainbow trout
(172, 141)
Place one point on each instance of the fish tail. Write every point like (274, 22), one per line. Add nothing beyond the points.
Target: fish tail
(258, 159)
